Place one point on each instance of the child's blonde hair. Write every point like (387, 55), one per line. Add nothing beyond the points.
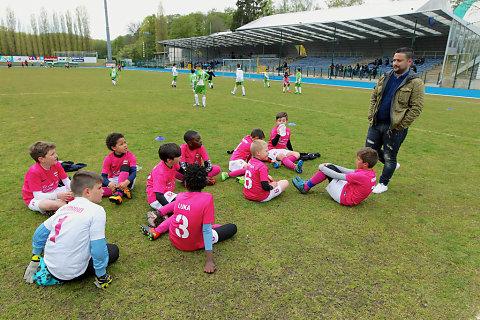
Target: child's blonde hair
(256, 146)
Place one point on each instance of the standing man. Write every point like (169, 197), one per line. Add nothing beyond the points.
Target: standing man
(396, 101)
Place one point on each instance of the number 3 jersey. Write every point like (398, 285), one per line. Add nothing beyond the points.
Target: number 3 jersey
(192, 211)
(67, 250)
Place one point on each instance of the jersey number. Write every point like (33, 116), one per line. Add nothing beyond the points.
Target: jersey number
(183, 226)
(248, 179)
(58, 226)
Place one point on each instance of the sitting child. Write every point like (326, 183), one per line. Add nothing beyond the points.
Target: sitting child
(190, 227)
(241, 155)
(279, 143)
(259, 185)
(40, 188)
(193, 151)
(346, 186)
(161, 182)
(73, 240)
(119, 169)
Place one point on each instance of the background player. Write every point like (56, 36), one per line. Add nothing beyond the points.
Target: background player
(266, 79)
(259, 185)
(73, 240)
(201, 78)
(346, 186)
(193, 79)
(239, 80)
(113, 75)
(210, 77)
(298, 82)
(174, 75)
(286, 80)
(40, 187)
(190, 225)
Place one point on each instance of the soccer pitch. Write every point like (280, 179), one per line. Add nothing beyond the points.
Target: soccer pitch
(412, 252)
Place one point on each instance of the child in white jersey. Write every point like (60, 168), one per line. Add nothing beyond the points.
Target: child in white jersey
(73, 240)
(239, 80)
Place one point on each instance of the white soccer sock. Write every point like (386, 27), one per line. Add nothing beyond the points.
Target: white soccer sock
(196, 98)
(204, 101)
(300, 89)
(113, 81)
(283, 88)
(234, 89)
(296, 89)
(243, 90)
(288, 87)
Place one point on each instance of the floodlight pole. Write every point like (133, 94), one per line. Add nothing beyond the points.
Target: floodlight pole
(109, 46)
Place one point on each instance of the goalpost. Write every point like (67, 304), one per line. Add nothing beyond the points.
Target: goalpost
(249, 66)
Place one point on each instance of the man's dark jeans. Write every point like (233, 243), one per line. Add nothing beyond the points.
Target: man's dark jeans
(387, 144)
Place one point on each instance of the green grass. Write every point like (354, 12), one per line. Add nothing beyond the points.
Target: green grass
(409, 253)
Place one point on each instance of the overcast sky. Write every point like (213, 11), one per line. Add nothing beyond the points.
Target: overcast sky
(120, 12)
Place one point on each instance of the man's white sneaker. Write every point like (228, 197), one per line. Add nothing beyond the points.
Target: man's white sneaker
(397, 166)
(380, 188)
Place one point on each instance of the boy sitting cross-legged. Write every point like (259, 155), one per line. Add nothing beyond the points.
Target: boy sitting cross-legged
(346, 186)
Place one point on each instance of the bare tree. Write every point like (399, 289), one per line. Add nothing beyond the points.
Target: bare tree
(63, 33)
(44, 31)
(161, 28)
(3, 37)
(71, 37)
(11, 25)
(36, 43)
(56, 31)
(343, 3)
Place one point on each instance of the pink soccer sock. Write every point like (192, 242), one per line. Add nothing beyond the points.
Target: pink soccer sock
(316, 179)
(293, 158)
(216, 225)
(166, 209)
(236, 173)
(107, 192)
(164, 226)
(215, 170)
(288, 163)
(123, 176)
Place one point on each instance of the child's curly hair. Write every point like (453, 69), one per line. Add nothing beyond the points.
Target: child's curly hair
(195, 177)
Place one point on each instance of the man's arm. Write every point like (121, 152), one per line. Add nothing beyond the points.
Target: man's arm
(415, 104)
(373, 99)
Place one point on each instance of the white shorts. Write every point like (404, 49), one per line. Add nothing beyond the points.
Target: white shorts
(272, 154)
(335, 188)
(115, 180)
(275, 192)
(169, 195)
(34, 203)
(236, 165)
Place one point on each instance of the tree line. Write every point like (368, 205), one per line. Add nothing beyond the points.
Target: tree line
(45, 33)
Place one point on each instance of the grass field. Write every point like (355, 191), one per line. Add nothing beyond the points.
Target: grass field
(412, 252)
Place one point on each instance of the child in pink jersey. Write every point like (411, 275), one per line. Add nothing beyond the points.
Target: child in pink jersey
(190, 227)
(193, 151)
(259, 185)
(346, 186)
(161, 183)
(280, 147)
(241, 155)
(119, 169)
(40, 188)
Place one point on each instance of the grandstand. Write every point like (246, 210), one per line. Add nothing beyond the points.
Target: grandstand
(351, 36)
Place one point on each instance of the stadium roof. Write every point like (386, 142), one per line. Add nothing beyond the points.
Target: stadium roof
(373, 20)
